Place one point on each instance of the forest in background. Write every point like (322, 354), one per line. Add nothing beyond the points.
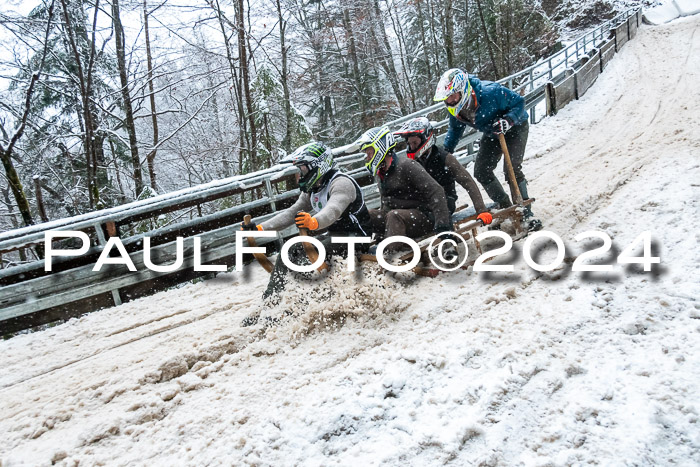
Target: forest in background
(106, 102)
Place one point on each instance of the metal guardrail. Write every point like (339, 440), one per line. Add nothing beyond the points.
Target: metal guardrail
(44, 292)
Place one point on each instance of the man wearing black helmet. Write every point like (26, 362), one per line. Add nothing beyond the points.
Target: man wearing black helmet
(441, 165)
(413, 203)
(329, 200)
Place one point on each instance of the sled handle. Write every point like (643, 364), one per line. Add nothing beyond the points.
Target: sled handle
(514, 190)
(261, 258)
(311, 251)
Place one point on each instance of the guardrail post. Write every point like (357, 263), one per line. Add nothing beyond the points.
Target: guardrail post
(578, 48)
(268, 190)
(549, 98)
(273, 205)
(102, 240)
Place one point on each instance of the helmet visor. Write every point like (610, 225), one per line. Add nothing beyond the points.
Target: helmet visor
(376, 144)
(303, 169)
(369, 151)
(414, 142)
(455, 105)
(373, 158)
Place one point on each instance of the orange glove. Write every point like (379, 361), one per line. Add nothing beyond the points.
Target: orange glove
(251, 226)
(305, 221)
(485, 218)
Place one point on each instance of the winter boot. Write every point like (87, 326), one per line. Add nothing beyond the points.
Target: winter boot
(533, 224)
(497, 194)
(276, 321)
(250, 320)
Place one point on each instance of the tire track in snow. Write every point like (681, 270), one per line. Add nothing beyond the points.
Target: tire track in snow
(121, 344)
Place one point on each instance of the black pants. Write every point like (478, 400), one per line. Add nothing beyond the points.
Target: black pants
(490, 154)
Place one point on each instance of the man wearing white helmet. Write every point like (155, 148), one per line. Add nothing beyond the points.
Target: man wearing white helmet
(492, 109)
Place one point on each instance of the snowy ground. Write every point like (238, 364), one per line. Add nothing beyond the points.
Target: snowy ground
(529, 368)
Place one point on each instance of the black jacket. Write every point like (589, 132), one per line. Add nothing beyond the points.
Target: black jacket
(407, 185)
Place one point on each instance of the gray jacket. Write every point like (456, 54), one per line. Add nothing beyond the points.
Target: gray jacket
(341, 194)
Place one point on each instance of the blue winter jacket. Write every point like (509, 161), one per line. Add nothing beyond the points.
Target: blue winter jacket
(495, 101)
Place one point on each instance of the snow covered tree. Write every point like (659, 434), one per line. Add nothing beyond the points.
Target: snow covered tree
(271, 120)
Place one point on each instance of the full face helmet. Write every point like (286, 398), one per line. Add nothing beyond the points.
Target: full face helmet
(421, 128)
(455, 81)
(314, 161)
(378, 143)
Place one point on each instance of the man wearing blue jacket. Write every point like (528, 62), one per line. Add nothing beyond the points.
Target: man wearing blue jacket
(491, 109)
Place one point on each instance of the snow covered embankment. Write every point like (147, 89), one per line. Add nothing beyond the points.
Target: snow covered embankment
(525, 369)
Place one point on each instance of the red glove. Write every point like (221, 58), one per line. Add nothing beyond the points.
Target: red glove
(485, 218)
(305, 221)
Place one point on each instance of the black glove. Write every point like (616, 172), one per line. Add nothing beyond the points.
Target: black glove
(502, 125)
(251, 226)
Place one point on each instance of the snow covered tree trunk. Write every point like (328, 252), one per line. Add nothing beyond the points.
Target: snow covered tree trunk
(151, 156)
(13, 219)
(386, 59)
(287, 141)
(434, 34)
(39, 199)
(243, 52)
(16, 187)
(489, 42)
(423, 39)
(405, 64)
(84, 77)
(448, 25)
(126, 98)
(352, 54)
(243, 135)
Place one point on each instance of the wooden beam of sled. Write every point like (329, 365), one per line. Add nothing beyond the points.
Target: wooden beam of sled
(499, 214)
(261, 258)
(418, 270)
(467, 230)
(514, 189)
(424, 243)
(311, 251)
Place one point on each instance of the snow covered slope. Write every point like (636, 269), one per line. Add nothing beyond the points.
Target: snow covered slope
(669, 10)
(528, 368)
